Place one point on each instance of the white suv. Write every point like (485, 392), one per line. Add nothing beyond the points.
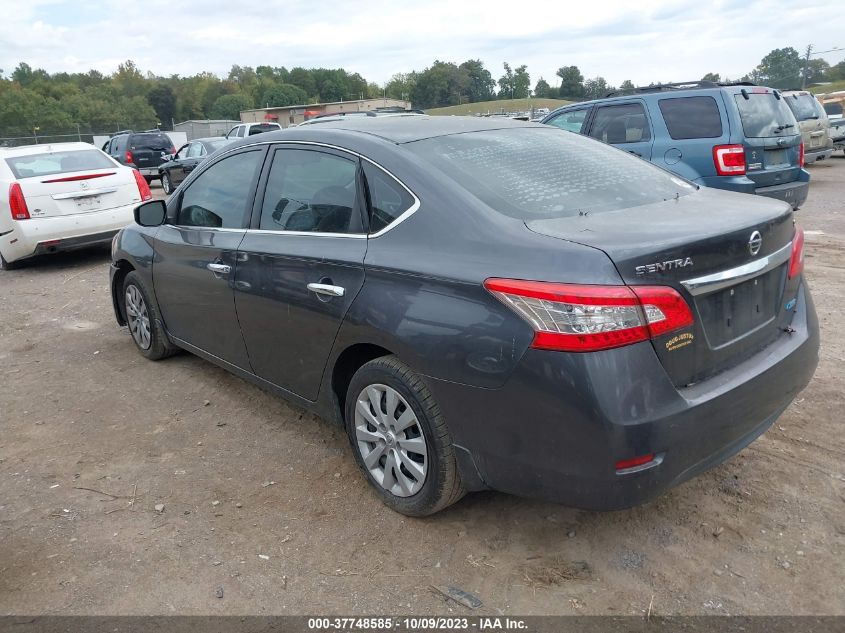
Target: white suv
(250, 129)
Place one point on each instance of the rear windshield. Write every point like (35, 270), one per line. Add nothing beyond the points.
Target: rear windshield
(833, 109)
(691, 117)
(37, 165)
(159, 142)
(764, 115)
(802, 106)
(264, 127)
(535, 173)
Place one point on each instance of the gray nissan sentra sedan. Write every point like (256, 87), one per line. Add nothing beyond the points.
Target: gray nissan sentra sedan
(482, 304)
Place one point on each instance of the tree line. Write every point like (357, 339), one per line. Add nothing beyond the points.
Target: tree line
(35, 101)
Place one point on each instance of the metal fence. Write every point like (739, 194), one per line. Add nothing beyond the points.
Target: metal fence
(37, 138)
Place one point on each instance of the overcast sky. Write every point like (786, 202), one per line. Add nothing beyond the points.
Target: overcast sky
(641, 40)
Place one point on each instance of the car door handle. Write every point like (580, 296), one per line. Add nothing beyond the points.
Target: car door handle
(219, 269)
(327, 289)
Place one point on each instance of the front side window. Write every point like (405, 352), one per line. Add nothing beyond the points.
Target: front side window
(183, 151)
(311, 191)
(218, 198)
(388, 198)
(691, 117)
(571, 121)
(618, 124)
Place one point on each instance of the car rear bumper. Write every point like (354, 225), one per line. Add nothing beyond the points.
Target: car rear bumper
(793, 192)
(38, 236)
(562, 421)
(817, 154)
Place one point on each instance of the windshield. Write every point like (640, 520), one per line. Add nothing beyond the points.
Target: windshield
(159, 142)
(537, 173)
(35, 165)
(802, 106)
(764, 115)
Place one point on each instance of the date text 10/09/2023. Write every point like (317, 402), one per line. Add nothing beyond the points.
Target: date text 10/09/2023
(377, 624)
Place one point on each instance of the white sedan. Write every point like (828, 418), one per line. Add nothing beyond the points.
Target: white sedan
(61, 197)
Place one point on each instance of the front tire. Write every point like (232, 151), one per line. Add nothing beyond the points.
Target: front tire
(400, 439)
(142, 319)
(166, 185)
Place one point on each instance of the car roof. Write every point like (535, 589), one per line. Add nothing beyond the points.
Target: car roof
(402, 129)
(209, 138)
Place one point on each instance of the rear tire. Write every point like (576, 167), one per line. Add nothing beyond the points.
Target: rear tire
(400, 439)
(143, 320)
(166, 185)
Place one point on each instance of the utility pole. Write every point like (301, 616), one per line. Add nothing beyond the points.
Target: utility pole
(806, 66)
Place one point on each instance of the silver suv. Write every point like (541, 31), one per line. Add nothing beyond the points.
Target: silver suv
(813, 124)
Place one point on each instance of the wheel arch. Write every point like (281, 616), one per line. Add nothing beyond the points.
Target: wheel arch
(349, 361)
(122, 268)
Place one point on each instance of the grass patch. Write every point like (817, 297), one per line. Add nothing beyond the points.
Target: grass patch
(831, 87)
(494, 107)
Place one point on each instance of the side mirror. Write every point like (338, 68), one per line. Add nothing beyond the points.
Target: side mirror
(152, 213)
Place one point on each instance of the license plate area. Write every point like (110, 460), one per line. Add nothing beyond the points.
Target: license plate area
(88, 203)
(734, 312)
(776, 157)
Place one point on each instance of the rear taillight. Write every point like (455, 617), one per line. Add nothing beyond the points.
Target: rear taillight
(729, 160)
(172, 151)
(574, 318)
(801, 155)
(17, 203)
(796, 260)
(129, 158)
(143, 187)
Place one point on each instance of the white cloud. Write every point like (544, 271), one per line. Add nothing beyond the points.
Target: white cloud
(645, 41)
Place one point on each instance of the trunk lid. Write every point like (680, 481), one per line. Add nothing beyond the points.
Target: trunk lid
(771, 136)
(699, 245)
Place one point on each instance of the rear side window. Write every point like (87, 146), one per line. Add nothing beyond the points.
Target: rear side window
(763, 115)
(571, 121)
(310, 191)
(536, 173)
(57, 163)
(691, 117)
(619, 124)
(388, 198)
(219, 195)
(264, 127)
(159, 142)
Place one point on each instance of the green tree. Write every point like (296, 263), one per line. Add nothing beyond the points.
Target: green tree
(129, 80)
(627, 85)
(399, 85)
(571, 83)
(163, 101)
(521, 82)
(441, 84)
(597, 88)
(781, 68)
(543, 90)
(480, 85)
(282, 95)
(230, 106)
(714, 77)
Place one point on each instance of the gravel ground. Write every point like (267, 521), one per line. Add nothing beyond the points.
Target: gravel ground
(261, 503)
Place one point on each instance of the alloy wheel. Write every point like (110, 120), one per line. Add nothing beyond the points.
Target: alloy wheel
(138, 317)
(390, 440)
(165, 183)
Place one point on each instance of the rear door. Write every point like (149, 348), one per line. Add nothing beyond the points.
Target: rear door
(694, 125)
(768, 131)
(301, 265)
(624, 125)
(72, 182)
(195, 263)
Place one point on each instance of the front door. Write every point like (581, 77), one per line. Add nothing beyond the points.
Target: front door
(196, 256)
(301, 265)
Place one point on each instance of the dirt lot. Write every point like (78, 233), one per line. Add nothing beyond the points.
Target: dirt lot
(264, 503)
